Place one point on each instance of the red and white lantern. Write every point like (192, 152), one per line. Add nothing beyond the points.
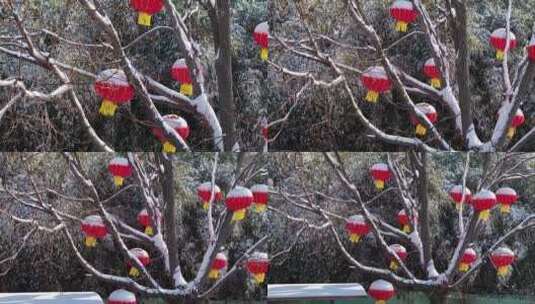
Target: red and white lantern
(376, 82)
(401, 252)
(146, 8)
(380, 174)
(467, 259)
(404, 221)
(113, 87)
(531, 49)
(93, 228)
(258, 265)
(120, 168)
(432, 72)
(219, 264)
(142, 256)
(178, 124)
(404, 13)
(204, 192)
(237, 201)
(506, 197)
(260, 197)
(502, 258)
(180, 73)
(430, 112)
(264, 128)
(357, 227)
(143, 218)
(483, 202)
(121, 296)
(381, 291)
(518, 120)
(498, 39)
(456, 194)
(261, 38)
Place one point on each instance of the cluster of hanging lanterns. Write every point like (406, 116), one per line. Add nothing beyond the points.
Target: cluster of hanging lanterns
(237, 201)
(94, 229)
(143, 218)
(113, 87)
(404, 13)
(119, 168)
(260, 197)
(257, 265)
(430, 112)
(142, 256)
(219, 264)
(145, 9)
(121, 296)
(401, 252)
(381, 291)
(502, 258)
(380, 174)
(485, 200)
(498, 39)
(180, 73)
(458, 195)
(261, 38)
(376, 82)
(178, 124)
(357, 227)
(204, 192)
(467, 259)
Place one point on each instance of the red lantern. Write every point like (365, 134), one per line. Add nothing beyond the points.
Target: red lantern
(502, 258)
(143, 218)
(258, 265)
(220, 262)
(237, 201)
(142, 256)
(121, 296)
(261, 37)
(204, 192)
(430, 112)
(468, 258)
(146, 9)
(404, 221)
(376, 81)
(517, 121)
(180, 73)
(120, 168)
(357, 227)
(401, 252)
(498, 41)
(264, 128)
(404, 13)
(456, 194)
(431, 71)
(93, 228)
(381, 291)
(381, 174)
(531, 49)
(178, 124)
(482, 202)
(112, 85)
(260, 197)
(506, 197)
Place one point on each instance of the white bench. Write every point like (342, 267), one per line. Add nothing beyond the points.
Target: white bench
(298, 292)
(51, 298)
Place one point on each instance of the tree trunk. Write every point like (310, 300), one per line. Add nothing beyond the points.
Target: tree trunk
(170, 212)
(420, 162)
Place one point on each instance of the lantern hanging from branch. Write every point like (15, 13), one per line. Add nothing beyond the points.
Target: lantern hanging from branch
(432, 72)
(430, 112)
(376, 82)
(219, 264)
(531, 49)
(113, 87)
(502, 258)
(404, 221)
(381, 291)
(483, 202)
(258, 265)
(357, 227)
(380, 174)
(506, 197)
(143, 218)
(180, 73)
(204, 192)
(121, 296)
(146, 8)
(142, 256)
(260, 197)
(261, 38)
(120, 168)
(467, 259)
(404, 13)
(93, 228)
(178, 124)
(517, 121)
(456, 194)
(401, 252)
(237, 201)
(498, 39)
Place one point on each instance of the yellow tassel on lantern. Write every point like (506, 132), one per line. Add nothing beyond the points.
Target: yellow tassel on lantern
(406, 228)
(259, 277)
(500, 54)
(503, 271)
(260, 208)
(144, 19)
(186, 89)
(169, 148)
(380, 302)
(90, 241)
(118, 181)
(463, 267)
(107, 108)
(354, 238)
(379, 184)
(401, 26)
(372, 96)
(505, 208)
(420, 130)
(511, 133)
(134, 272)
(238, 215)
(149, 231)
(484, 215)
(394, 265)
(205, 205)
(435, 83)
(213, 274)
(264, 54)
